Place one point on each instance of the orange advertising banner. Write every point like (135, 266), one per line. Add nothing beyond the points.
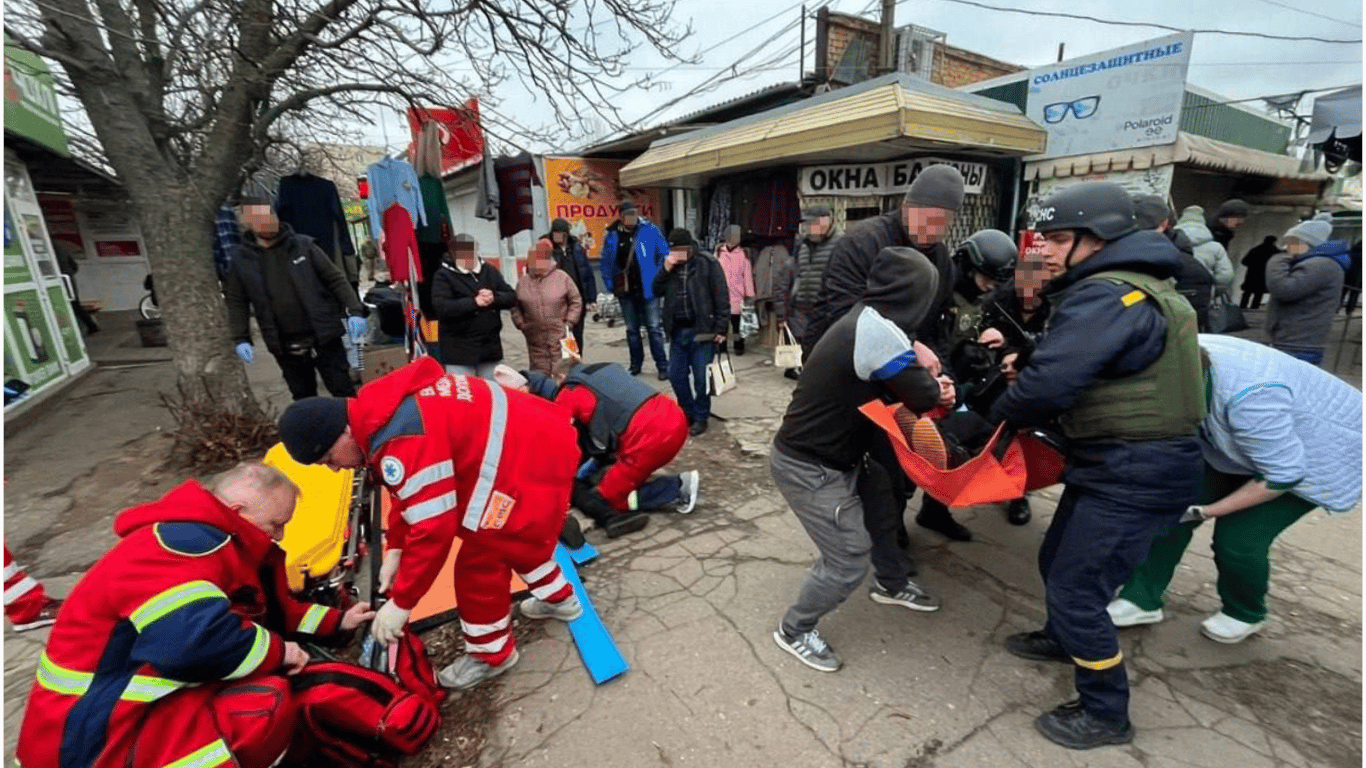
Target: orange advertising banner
(585, 192)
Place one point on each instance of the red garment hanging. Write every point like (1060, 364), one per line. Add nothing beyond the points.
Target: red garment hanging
(400, 243)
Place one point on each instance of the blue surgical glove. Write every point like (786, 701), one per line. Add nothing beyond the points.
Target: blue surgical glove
(245, 351)
(356, 326)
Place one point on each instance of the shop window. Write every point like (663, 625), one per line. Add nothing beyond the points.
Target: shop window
(852, 215)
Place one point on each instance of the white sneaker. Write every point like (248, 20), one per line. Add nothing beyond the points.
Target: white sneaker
(1124, 613)
(469, 671)
(1222, 628)
(687, 494)
(566, 610)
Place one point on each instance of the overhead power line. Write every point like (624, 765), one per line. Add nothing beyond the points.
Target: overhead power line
(1311, 13)
(1115, 22)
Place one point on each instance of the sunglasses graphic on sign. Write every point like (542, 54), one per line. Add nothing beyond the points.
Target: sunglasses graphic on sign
(1081, 108)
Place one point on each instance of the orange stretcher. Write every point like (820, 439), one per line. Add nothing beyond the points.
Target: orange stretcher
(1025, 465)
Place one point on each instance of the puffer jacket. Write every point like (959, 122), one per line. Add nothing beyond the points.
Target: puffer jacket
(1305, 291)
(1279, 418)
(546, 304)
(1208, 251)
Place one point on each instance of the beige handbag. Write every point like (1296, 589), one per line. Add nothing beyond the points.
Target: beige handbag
(788, 353)
(721, 375)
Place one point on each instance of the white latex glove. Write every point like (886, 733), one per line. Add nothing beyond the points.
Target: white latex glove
(388, 569)
(388, 625)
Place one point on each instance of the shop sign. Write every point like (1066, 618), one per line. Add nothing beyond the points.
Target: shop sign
(31, 100)
(60, 214)
(33, 339)
(1122, 98)
(459, 130)
(876, 179)
(585, 193)
(112, 230)
(16, 266)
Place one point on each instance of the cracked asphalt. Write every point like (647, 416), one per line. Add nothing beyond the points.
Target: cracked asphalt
(693, 601)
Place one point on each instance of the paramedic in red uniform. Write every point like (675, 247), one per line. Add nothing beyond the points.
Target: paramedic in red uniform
(160, 655)
(460, 456)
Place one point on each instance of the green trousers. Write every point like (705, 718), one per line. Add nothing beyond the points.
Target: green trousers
(1242, 546)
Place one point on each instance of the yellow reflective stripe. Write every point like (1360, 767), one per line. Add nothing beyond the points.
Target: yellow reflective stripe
(1102, 664)
(173, 598)
(255, 656)
(1133, 297)
(59, 679)
(312, 619)
(144, 688)
(633, 501)
(207, 757)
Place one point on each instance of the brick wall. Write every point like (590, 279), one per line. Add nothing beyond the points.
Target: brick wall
(956, 67)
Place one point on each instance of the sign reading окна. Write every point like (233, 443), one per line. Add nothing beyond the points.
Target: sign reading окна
(891, 178)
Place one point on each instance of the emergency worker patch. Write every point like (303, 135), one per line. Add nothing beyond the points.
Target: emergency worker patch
(496, 513)
(391, 469)
(1133, 297)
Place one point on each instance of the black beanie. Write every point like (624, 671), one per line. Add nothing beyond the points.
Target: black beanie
(627, 205)
(559, 225)
(938, 186)
(309, 427)
(681, 236)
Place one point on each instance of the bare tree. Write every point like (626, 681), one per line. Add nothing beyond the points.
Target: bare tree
(186, 97)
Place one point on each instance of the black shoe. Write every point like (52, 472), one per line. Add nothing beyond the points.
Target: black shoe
(663, 374)
(739, 347)
(698, 427)
(1036, 646)
(624, 523)
(571, 533)
(1073, 727)
(945, 524)
(791, 373)
(635, 371)
(1017, 513)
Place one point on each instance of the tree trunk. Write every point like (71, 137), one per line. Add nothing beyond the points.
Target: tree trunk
(178, 227)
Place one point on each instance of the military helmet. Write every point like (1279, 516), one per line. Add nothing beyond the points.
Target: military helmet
(1100, 207)
(989, 251)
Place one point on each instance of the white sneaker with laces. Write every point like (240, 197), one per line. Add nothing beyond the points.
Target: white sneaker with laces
(687, 493)
(1222, 628)
(1124, 613)
(468, 671)
(565, 610)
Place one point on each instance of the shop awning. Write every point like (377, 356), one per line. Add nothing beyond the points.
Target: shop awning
(880, 119)
(1188, 149)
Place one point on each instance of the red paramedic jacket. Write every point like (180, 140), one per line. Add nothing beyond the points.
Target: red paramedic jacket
(462, 456)
(149, 635)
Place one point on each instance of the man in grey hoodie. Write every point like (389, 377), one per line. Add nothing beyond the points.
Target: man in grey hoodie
(1305, 284)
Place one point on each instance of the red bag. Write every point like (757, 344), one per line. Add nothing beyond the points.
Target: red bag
(363, 718)
(1027, 464)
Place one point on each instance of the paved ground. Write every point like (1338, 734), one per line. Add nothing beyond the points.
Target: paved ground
(693, 601)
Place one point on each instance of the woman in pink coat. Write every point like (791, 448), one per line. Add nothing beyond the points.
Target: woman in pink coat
(739, 280)
(547, 303)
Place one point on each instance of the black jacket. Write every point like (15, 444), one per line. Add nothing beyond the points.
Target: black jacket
(822, 423)
(574, 261)
(1255, 261)
(704, 283)
(846, 275)
(469, 333)
(1193, 281)
(326, 295)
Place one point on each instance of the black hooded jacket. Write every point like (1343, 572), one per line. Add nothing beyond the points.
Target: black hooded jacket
(864, 356)
(1193, 281)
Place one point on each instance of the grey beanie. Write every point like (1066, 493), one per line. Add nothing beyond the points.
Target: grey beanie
(1313, 232)
(1150, 211)
(939, 186)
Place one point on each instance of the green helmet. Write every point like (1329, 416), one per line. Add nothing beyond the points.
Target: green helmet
(989, 251)
(1100, 207)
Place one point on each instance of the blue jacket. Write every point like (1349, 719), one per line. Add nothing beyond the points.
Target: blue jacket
(1092, 334)
(651, 249)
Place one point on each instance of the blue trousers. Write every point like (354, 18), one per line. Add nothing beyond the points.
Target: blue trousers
(688, 372)
(1091, 548)
(640, 313)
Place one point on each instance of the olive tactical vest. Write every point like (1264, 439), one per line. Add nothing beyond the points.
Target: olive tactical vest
(1164, 400)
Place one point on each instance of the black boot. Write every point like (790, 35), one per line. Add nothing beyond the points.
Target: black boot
(1017, 512)
(935, 516)
(1071, 726)
(572, 533)
(612, 522)
(1036, 646)
(739, 346)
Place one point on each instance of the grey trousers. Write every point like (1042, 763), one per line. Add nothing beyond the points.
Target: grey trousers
(826, 502)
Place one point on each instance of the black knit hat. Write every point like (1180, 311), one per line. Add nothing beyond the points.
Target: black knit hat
(310, 427)
(559, 225)
(627, 205)
(815, 212)
(681, 236)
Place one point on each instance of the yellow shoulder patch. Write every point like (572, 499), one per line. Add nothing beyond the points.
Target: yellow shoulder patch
(1133, 297)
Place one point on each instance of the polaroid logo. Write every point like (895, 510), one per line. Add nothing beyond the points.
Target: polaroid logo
(1155, 122)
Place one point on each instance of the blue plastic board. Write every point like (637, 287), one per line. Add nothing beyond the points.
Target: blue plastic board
(583, 554)
(598, 650)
